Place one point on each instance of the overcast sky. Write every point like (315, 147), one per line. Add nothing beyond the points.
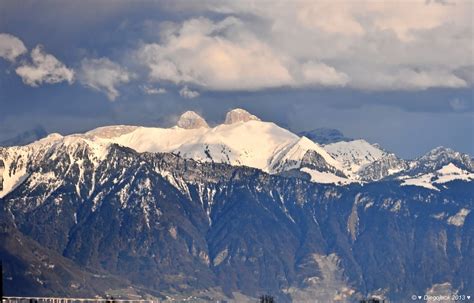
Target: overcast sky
(397, 73)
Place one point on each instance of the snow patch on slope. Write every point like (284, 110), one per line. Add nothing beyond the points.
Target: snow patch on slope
(451, 172)
(421, 181)
(447, 173)
(326, 178)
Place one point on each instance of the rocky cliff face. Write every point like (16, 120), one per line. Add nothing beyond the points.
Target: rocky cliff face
(191, 120)
(239, 115)
(439, 157)
(175, 226)
(383, 167)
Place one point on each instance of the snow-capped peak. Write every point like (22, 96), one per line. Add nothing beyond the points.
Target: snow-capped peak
(239, 115)
(437, 152)
(441, 156)
(290, 156)
(191, 120)
(354, 154)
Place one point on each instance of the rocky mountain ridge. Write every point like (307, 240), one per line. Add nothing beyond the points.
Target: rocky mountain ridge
(173, 227)
(244, 139)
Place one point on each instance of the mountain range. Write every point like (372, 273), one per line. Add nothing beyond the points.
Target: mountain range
(231, 212)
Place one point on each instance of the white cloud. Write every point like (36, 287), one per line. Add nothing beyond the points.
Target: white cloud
(225, 56)
(44, 68)
(401, 78)
(318, 73)
(150, 90)
(104, 75)
(11, 47)
(361, 44)
(187, 93)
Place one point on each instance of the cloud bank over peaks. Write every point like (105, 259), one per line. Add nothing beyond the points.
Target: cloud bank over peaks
(11, 47)
(44, 68)
(368, 45)
(104, 75)
(257, 45)
(226, 55)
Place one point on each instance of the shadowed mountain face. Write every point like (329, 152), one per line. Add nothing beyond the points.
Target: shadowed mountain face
(173, 226)
(33, 270)
(324, 135)
(26, 137)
